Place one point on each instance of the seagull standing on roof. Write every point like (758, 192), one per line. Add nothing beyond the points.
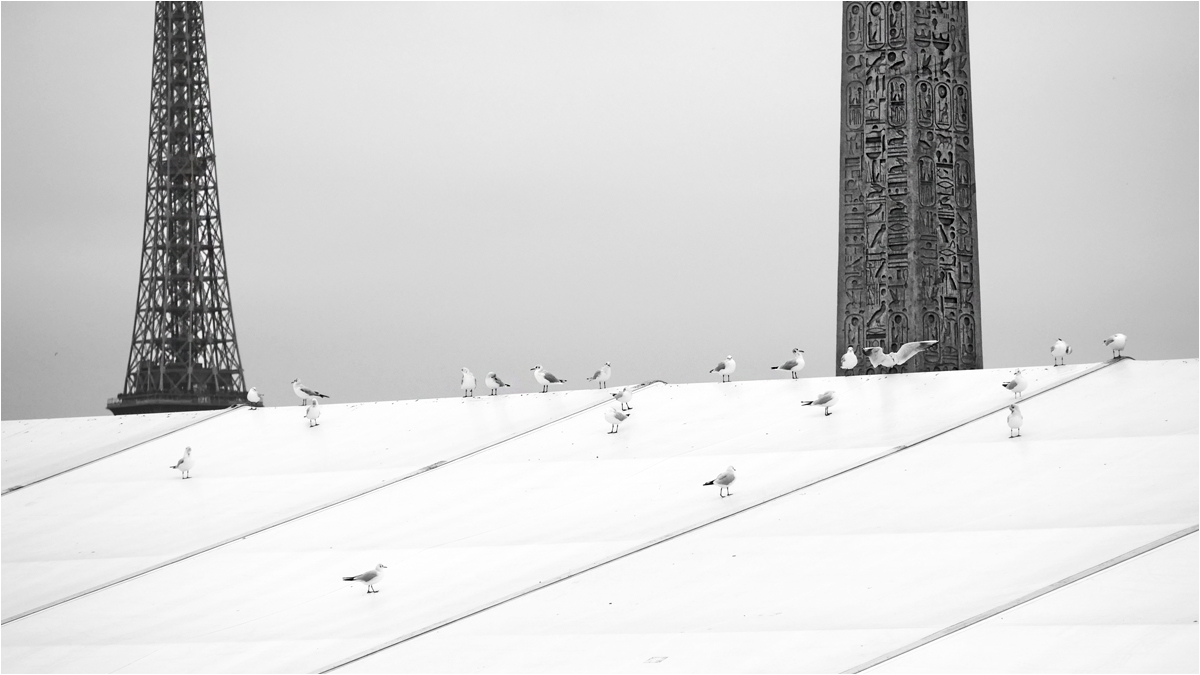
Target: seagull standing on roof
(1014, 420)
(1017, 384)
(879, 359)
(603, 374)
(1060, 351)
(545, 379)
(624, 395)
(793, 365)
(826, 401)
(494, 382)
(312, 413)
(185, 463)
(254, 397)
(849, 359)
(615, 417)
(724, 479)
(370, 578)
(468, 383)
(725, 368)
(1115, 342)
(305, 393)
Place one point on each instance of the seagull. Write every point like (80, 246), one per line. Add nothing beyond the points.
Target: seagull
(724, 479)
(1014, 420)
(468, 383)
(794, 364)
(312, 413)
(370, 578)
(826, 401)
(545, 379)
(725, 368)
(908, 350)
(615, 417)
(849, 359)
(254, 397)
(624, 396)
(1017, 384)
(1115, 342)
(1060, 351)
(304, 392)
(494, 382)
(185, 463)
(603, 374)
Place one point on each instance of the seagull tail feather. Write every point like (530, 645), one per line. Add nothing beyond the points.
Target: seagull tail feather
(347, 578)
(711, 482)
(807, 402)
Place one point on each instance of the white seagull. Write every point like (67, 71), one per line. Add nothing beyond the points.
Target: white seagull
(1115, 342)
(254, 397)
(725, 368)
(1017, 384)
(494, 382)
(185, 463)
(849, 359)
(1060, 351)
(312, 413)
(879, 359)
(1014, 420)
(794, 365)
(305, 393)
(545, 379)
(826, 401)
(603, 374)
(370, 578)
(468, 383)
(724, 479)
(615, 417)
(624, 396)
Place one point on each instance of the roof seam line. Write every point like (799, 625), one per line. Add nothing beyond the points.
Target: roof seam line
(117, 452)
(1124, 557)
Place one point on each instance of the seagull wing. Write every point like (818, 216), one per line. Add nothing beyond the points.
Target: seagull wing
(719, 368)
(911, 349)
(367, 576)
(725, 478)
(597, 374)
(823, 398)
(789, 364)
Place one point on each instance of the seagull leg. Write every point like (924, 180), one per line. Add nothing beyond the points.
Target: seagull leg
(827, 413)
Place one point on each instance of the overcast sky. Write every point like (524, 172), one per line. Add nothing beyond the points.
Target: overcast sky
(410, 188)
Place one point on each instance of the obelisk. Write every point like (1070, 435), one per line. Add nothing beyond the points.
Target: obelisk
(907, 222)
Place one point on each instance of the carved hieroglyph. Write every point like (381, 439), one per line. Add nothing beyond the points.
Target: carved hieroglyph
(908, 268)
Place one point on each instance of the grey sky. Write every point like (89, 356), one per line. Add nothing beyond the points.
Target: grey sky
(409, 188)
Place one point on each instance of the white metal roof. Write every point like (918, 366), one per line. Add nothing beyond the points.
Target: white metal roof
(847, 537)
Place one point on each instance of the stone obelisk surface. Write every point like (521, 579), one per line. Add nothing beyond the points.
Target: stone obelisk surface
(908, 267)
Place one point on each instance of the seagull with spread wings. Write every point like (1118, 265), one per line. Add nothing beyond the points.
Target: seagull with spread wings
(880, 359)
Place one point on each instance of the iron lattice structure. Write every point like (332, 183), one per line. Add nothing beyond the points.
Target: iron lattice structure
(184, 354)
